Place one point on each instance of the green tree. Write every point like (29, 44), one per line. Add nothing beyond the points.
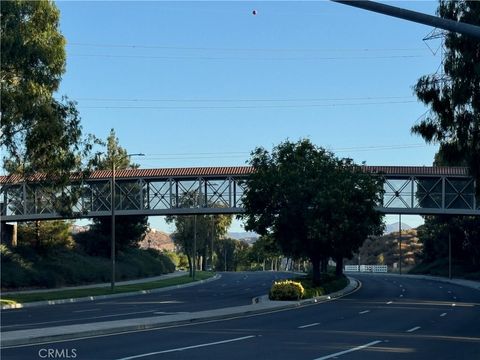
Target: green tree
(299, 195)
(38, 132)
(264, 249)
(454, 94)
(184, 233)
(129, 230)
(46, 235)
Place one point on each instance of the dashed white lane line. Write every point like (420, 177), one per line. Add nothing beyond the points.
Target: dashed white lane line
(401, 295)
(364, 311)
(349, 350)
(308, 325)
(413, 329)
(390, 302)
(443, 314)
(187, 348)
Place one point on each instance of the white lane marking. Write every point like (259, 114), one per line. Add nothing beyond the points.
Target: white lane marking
(413, 329)
(443, 314)
(364, 311)
(308, 325)
(403, 290)
(187, 348)
(401, 285)
(454, 304)
(82, 311)
(401, 295)
(349, 350)
(388, 303)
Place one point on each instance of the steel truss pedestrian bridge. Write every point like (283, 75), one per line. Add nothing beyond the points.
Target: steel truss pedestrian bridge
(219, 190)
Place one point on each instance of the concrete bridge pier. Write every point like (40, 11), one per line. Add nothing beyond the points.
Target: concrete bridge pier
(8, 233)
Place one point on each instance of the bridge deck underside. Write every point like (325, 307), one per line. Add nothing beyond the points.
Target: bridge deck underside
(215, 195)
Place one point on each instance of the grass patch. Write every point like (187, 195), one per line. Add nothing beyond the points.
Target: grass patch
(329, 284)
(78, 293)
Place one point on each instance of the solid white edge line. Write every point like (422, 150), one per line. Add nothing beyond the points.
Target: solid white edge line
(349, 350)
(413, 329)
(308, 325)
(186, 348)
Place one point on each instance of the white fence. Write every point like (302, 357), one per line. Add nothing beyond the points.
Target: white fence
(367, 268)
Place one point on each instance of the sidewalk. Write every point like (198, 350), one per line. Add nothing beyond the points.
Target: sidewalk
(109, 296)
(99, 285)
(462, 282)
(33, 336)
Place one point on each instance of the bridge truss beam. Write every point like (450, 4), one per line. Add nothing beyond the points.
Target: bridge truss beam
(221, 194)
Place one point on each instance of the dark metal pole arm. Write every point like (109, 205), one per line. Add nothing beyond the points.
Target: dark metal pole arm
(435, 21)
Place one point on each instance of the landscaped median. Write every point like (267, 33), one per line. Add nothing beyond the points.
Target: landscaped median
(303, 287)
(17, 299)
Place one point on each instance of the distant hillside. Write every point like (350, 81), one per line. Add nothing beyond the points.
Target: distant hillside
(249, 237)
(389, 228)
(383, 250)
(157, 239)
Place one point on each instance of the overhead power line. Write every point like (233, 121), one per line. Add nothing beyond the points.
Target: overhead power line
(244, 106)
(199, 48)
(243, 154)
(248, 58)
(99, 99)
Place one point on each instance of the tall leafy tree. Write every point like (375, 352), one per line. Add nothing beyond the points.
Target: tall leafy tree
(185, 231)
(453, 95)
(38, 132)
(299, 195)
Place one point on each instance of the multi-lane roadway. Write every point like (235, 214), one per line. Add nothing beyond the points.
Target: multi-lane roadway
(389, 317)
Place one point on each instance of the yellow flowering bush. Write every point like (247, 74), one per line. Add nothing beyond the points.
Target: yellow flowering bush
(286, 290)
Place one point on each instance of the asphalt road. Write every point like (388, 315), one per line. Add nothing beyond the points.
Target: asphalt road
(232, 289)
(387, 318)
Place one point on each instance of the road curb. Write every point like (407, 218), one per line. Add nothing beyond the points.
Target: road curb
(72, 332)
(103, 297)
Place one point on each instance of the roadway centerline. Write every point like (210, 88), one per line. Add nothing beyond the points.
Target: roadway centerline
(187, 348)
(413, 329)
(345, 351)
(308, 325)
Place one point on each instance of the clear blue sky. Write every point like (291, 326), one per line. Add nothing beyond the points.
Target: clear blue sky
(204, 83)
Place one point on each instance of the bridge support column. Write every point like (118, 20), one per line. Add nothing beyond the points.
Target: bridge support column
(8, 233)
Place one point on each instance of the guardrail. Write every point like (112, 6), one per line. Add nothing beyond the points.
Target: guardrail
(366, 268)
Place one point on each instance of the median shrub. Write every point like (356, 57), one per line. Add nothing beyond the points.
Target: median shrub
(286, 290)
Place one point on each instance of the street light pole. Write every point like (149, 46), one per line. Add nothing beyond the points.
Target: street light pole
(194, 246)
(213, 235)
(112, 242)
(112, 202)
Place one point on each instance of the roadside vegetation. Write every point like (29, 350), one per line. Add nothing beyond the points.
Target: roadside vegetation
(23, 267)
